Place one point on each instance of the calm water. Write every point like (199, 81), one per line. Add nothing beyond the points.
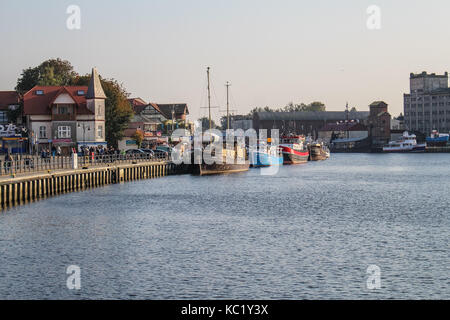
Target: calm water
(309, 232)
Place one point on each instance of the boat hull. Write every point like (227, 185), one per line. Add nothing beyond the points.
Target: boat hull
(437, 142)
(261, 159)
(415, 149)
(291, 156)
(317, 153)
(219, 168)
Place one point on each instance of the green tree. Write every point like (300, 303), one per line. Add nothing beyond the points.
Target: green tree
(52, 72)
(205, 123)
(138, 137)
(118, 111)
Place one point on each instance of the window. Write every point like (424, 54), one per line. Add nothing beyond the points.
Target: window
(100, 132)
(80, 92)
(3, 116)
(42, 132)
(63, 109)
(64, 132)
(39, 92)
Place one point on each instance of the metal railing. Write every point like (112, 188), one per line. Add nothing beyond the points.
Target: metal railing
(34, 164)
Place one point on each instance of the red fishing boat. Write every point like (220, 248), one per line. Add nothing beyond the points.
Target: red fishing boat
(294, 149)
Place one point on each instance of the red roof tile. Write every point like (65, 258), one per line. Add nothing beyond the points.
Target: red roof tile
(40, 104)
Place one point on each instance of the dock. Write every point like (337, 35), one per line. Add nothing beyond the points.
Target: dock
(27, 187)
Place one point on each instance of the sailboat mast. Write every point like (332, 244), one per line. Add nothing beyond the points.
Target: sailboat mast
(209, 100)
(228, 106)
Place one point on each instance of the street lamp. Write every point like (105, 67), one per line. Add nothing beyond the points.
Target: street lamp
(84, 126)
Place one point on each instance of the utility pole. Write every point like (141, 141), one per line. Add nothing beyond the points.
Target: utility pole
(228, 105)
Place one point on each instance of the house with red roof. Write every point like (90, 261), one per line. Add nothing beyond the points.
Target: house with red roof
(66, 116)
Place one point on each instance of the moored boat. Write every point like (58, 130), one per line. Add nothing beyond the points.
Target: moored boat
(318, 152)
(229, 161)
(294, 150)
(407, 143)
(437, 139)
(265, 156)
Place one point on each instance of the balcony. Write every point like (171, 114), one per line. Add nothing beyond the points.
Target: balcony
(63, 117)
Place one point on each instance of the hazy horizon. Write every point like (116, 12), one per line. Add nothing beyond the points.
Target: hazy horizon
(272, 52)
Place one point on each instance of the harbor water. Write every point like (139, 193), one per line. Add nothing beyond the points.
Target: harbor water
(308, 232)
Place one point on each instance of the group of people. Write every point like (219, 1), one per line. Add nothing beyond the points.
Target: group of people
(55, 151)
(99, 150)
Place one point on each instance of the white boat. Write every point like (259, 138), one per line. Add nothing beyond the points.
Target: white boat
(407, 143)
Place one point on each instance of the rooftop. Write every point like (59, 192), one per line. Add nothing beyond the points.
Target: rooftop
(95, 90)
(8, 98)
(39, 104)
(424, 74)
(312, 116)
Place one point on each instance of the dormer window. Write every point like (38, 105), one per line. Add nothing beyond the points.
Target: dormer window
(39, 92)
(80, 93)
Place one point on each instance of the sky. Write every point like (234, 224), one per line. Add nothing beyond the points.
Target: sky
(272, 52)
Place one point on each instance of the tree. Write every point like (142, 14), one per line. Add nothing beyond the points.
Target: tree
(353, 109)
(313, 106)
(138, 137)
(118, 111)
(205, 123)
(52, 72)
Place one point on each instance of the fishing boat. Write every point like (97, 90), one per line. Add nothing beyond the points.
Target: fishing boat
(407, 143)
(294, 150)
(231, 160)
(318, 151)
(266, 155)
(437, 139)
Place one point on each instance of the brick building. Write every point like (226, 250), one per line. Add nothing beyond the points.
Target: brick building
(379, 124)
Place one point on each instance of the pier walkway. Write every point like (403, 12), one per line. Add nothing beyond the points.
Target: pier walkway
(22, 187)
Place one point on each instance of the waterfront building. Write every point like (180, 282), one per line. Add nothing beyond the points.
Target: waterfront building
(304, 122)
(427, 105)
(379, 124)
(9, 100)
(243, 122)
(352, 130)
(154, 122)
(13, 135)
(398, 123)
(66, 116)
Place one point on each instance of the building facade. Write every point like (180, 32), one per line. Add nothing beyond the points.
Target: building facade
(66, 116)
(379, 124)
(427, 105)
(306, 123)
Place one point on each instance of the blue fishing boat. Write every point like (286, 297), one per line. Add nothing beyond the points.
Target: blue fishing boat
(266, 156)
(437, 139)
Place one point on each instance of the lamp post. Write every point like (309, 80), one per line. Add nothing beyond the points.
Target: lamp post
(84, 126)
